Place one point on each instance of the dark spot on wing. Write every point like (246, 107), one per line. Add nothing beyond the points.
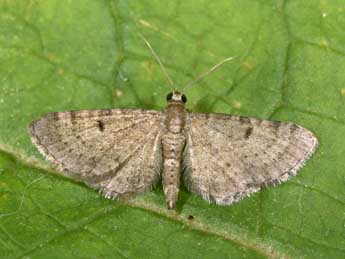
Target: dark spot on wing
(248, 132)
(190, 217)
(100, 125)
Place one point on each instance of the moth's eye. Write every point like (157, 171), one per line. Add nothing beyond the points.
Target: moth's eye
(184, 98)
(169, 96)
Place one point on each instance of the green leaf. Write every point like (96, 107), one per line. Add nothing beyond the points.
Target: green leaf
(65, 55)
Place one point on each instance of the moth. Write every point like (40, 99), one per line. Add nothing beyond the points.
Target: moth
(122, 152)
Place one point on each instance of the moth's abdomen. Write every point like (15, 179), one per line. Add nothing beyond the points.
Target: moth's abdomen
(172, 144)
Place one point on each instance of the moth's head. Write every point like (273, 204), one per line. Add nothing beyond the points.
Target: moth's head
(176, 96)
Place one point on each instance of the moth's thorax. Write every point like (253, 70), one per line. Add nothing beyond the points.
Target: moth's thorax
(175, 117)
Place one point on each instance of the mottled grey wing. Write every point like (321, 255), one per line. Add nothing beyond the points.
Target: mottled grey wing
(115, 151)
(229, 157)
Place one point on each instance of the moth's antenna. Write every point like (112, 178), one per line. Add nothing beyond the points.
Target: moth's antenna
(157, 58)
(202, 76)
